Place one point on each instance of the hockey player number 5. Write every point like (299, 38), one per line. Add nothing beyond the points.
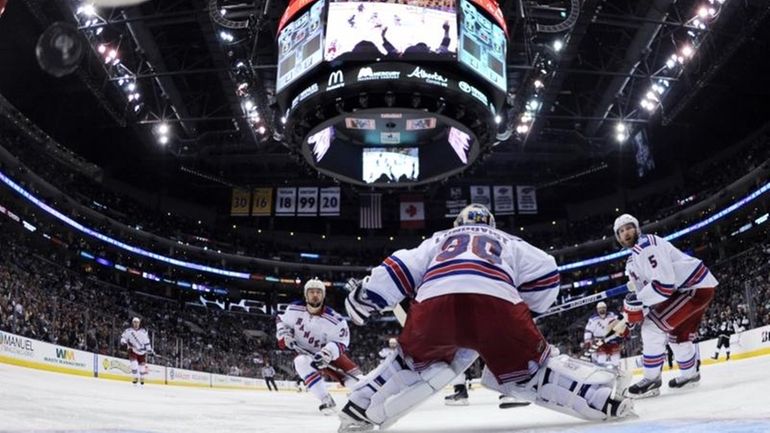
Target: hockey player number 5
(484, 247)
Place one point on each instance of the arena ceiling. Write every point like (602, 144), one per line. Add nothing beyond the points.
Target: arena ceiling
(190, 76)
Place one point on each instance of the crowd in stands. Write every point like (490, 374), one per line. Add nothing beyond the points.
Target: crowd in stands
(46, 296)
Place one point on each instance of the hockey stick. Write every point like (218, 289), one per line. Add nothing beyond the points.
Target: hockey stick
(571, 305)
(329, 366)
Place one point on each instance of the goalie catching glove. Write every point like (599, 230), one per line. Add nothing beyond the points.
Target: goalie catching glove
(358, 305)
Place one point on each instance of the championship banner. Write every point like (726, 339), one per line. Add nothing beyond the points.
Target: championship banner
(239, 206)
(262, 202)
(330, 201)
(503, 195)
(526, 199)
(455, 202)
(412, 213)
(307, 201)
(286, 201)
(481, 195)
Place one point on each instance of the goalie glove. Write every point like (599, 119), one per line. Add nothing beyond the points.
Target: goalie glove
(634, 308)
(358, 306)
(322, 358)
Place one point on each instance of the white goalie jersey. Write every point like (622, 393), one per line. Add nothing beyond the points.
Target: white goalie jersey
(138, 340)
(658, 270)
(312, 332)
(467, 259)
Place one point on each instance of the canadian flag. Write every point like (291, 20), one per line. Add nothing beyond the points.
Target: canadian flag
(412, 212)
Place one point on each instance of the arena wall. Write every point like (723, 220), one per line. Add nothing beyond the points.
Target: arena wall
(26, 352)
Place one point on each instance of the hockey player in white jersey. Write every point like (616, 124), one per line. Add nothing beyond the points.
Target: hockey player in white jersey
(320, 336)
(597, 327)
(472, 289)
(137, 343)
(670, 291)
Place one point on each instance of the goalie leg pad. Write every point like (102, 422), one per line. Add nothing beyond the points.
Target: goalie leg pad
(569, 386)
(394, 388)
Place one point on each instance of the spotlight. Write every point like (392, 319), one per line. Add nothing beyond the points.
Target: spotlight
(87, 9)
(163, 129)
(687, 51)
(558, 45)
(620, 137)
(249, 105)
(620, 127)
(131, 87)
(498, 119)
(522, 129)
(703, 12)
(226, 36)
(113, 54)
(136, 108)
(283, 120)
(163, 139)
(261, 130)
(538, 84)
(99, 30)
(102, 48)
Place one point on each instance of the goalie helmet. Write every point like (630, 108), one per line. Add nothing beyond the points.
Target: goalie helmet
(623, 220)
(475, 214)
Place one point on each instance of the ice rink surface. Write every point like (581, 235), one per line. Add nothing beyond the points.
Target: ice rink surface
(733, 397)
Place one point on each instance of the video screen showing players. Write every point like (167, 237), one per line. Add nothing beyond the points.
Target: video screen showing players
(320, 142)
(390, 164)
(300, 46)
(482, 45)
(460, 142)
(398, 29)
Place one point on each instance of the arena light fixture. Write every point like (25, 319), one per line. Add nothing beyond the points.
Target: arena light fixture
(558, 44)
(163, 139)
(87, 9)
(688, 51)
(163, 129)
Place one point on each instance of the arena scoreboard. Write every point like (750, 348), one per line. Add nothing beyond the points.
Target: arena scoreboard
(391, 94)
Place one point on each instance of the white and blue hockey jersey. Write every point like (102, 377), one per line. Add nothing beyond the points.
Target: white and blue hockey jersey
(467, 259)
(313, 332)
(658, 270)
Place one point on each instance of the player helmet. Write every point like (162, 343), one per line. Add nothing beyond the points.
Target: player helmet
(623, 220)
(475, 214)
(601, 307)
(315, 283)
(392, 343)
(136, 321)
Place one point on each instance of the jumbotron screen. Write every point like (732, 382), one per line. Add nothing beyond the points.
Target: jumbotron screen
(399, 29)
(300, 46)
(482, 45)
(390, 164)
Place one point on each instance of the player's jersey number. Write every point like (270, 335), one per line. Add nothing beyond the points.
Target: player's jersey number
(484, 247)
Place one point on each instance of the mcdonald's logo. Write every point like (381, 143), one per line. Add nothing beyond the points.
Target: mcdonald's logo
(335, 81)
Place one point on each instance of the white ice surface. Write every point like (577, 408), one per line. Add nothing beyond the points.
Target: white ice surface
(733, 397)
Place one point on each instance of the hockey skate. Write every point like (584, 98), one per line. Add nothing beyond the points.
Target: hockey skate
(135, 381)
(328, 406)
(459, 398)
(350, 421)
(684, 382)
(508, 402)
(645, 388)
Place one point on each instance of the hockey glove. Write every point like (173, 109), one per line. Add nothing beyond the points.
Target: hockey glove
(634, 308)
(357, 304)
(322, 358)
(286, 338)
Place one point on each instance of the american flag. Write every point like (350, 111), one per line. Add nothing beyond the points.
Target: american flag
(371, 211)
